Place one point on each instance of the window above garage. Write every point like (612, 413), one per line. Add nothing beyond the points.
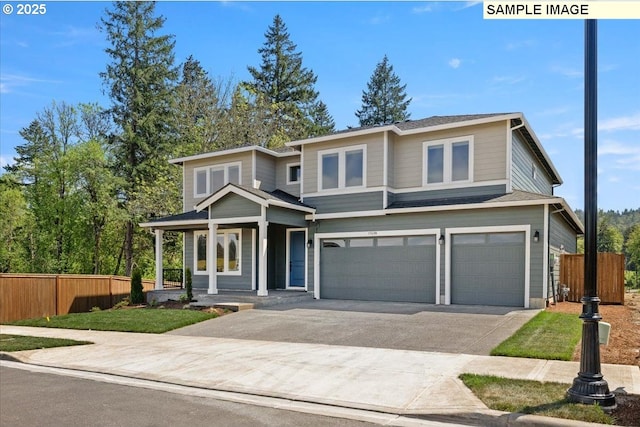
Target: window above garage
(342, 168)
(448, 161)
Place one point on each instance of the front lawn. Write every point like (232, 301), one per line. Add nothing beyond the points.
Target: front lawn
(532, 397)
(147, 320)
(20, 342)
(550, 336)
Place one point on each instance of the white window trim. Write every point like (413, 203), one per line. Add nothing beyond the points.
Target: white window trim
(196, 234)
(447, 161)
(289, 165)
(342, 165)
(208, 169)
(224, 232)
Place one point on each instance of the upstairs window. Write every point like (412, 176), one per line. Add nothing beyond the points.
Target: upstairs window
(448, 161)
(293, 173)
(342, 168)
(210, 179)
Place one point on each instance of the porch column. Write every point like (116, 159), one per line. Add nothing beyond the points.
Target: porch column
(262, 257)
(159, 276)
(212, 255)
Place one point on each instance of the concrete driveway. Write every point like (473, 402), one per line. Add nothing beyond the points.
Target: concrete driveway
(401, 326)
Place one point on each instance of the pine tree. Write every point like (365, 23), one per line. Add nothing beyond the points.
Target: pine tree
(141, 78)
(285, 86)
(385, 100)
(200, 111)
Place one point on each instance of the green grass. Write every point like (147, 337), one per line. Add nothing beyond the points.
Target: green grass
(532, 397)
(551, 336)
(145, 320)
(19, 342)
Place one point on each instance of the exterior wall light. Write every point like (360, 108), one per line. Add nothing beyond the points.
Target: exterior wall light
(441, 239)
(536, 236)
(309, 243)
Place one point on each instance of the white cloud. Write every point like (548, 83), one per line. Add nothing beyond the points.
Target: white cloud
(554, 111)
(610, 147)
(469, 4)
(454, 63)
(571, 73)
(631, 122)
(520, 44)
(422, 9)
(508, 80)
(620, 155)
(380, 19)
(8, 82)
(4, 161)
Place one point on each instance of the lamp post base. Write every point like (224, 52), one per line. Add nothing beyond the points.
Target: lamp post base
(590, 387)
(592, 391)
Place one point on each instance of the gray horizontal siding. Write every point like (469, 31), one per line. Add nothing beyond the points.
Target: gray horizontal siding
(346, 202)
(562, 234)
(265, 171)
(523, 161)
(242, 282)
(233, 206)
(286, 216)
(449, 193)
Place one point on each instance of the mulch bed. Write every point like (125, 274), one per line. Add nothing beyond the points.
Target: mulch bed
(623, 347)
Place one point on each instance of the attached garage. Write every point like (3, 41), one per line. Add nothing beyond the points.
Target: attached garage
(489, 268)
(402, 268)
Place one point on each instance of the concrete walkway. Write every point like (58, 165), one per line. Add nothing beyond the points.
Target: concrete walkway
(386, 380)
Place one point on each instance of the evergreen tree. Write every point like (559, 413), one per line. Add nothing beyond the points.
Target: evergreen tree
(200, 109)
(141, 78)
(285, 86)
(384, 101)
(609, 237)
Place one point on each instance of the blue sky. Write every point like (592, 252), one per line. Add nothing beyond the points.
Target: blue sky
(452, 61)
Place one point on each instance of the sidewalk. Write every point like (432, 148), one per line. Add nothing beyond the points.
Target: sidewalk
(391, 381)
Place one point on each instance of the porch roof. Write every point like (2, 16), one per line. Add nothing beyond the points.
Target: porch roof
(182, 220)
(264, 198)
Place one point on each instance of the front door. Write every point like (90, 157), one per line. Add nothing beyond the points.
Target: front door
(297, 264)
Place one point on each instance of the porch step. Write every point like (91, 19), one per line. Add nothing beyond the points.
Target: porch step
(234, 306)
(275, 297)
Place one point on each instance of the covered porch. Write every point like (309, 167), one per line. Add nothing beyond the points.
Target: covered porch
(261, 242)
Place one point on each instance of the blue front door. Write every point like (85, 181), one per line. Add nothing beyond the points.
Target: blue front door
(296, 259)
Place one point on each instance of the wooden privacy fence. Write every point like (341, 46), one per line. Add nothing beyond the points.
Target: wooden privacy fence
(610, 277)
(25, 296)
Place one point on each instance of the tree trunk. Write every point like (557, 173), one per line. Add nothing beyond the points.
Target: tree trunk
(128, 249)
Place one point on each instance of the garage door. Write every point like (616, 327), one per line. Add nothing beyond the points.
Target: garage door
(398, 268)
(488, 269)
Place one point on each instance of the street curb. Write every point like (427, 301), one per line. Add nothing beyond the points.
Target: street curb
(487, 418)
(492, 418)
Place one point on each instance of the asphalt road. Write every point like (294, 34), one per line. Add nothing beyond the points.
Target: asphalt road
(30, 399)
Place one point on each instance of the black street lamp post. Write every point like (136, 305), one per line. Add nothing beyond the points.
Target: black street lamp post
(589, 386)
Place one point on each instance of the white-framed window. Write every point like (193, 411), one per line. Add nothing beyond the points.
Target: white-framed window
(534, 171)
(448, 161)
(293, 173)
(228, 252)
(209, 179)
(342, 168)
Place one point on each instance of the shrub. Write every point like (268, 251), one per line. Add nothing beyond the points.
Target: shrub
(137, 296)
(184, 298)
(188, 283)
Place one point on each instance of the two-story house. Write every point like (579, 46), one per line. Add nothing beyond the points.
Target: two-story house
(444, 210)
